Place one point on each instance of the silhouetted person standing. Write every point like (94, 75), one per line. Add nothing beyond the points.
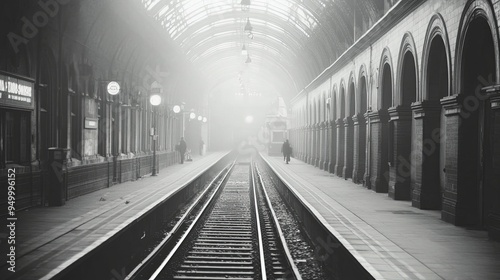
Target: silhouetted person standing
(182, 149)
(286, 149)
(202, 144)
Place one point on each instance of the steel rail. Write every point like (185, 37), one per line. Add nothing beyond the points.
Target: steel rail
(221, 176)
(191, 226)
(262, 258)
(291, 264)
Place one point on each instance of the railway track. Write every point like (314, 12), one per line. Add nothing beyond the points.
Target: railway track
(230, 232)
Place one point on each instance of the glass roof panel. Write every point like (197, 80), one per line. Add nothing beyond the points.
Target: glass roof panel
(209, 31)
(177, 15)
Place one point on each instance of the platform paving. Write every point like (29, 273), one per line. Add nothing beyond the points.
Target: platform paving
(51, 238)
(391, 239)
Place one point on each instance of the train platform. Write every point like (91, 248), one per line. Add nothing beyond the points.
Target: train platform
(49, 239)
(391, 239)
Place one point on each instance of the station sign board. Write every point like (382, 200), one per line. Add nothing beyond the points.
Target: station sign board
(91, 123)
(16, 92)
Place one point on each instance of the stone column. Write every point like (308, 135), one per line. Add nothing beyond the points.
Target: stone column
(326, 147)
(339, 165)
(400, 128)
(348, 147)
(367, 174)
(359, 148)
(314, 146)
(426, 189)
(303, 143)
(317, 145)
(379, 171)
(332, 127)
(309, 146)
(321, 145)
(456, 207)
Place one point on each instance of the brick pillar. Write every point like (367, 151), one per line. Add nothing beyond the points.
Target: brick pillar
(493, 171)
(310, 146)
(339, 164)
(317, 144)
(313, 145)
(367, 175)
(326, 146)
(304, 136)
(358, 171)
(322, 149)
(332, 127)
(400, 156)
(457, 195)
(379, 171)
(426, 188)
(301, 143)
(348, 147)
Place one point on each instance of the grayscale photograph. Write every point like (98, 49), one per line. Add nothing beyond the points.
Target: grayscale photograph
(250, 139)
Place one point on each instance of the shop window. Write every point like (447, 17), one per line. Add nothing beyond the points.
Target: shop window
(15, 138)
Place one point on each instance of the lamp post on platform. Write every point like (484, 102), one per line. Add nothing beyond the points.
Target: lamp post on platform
(155, 100)
(113, 88)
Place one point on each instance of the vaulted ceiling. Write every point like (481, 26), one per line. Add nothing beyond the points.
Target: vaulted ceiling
(289, 44)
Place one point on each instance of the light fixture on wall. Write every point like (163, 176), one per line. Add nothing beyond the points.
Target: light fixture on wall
(244, 50)
(248, 59)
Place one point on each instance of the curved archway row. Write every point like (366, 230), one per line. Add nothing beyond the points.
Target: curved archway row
(386, 126)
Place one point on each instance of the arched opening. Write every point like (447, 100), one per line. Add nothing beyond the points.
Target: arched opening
(409, 80)
(333, 128)
(317, 133)
(360, 134)
(339, 167)
(433, 166)
(326, 134)
(400, 131)
(478, 69)
(380, 134)
(386, 88)
(310, 135)
(349, 132)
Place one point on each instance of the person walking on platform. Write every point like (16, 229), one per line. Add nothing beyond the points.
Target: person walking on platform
(182, 149)
(286, 149)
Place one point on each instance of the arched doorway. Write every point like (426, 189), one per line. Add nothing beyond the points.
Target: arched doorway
(317, 133)
(339, 166)
(360, 133)
(477, 69)
(326, 133)
(379, 126)
(333, 128)
(400, 129)
(349, 132)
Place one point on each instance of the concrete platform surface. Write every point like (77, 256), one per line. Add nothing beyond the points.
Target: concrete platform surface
(392, 239)
(48, 239)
